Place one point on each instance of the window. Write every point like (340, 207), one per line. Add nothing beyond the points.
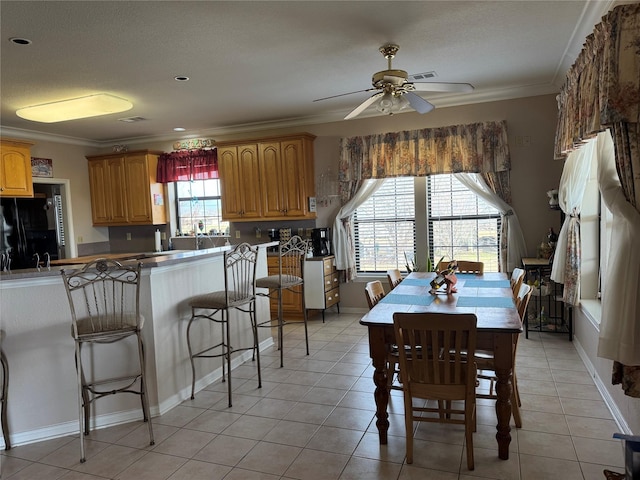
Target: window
(462, 226)
(457, 223)
(199, 206)
(385, 225)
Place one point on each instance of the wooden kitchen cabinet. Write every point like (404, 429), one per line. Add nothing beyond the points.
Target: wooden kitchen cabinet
(321, 284)
(270, 178)
(124, 190)
(239, 182)
(15, 168)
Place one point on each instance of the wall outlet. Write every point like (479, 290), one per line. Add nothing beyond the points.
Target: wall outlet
(163, 235)
(237, 233)
(300, 231)
(80, 239)
(312, 204)
(309, 232)
(128, 236)
(258, 233)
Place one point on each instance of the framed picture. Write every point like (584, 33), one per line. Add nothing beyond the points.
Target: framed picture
(41, 167)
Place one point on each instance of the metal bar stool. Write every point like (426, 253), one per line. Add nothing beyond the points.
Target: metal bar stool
(240, 294)
(104, 298)
(5, 393)
(291, 255)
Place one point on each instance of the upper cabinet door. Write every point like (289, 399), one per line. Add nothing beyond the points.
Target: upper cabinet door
(239, 182)
(272, 174)
(117, 190)
(138, 192)
(99, 185)
(293, 183)
(15, 169)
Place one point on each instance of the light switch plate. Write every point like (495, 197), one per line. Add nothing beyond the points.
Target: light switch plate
(312, 204)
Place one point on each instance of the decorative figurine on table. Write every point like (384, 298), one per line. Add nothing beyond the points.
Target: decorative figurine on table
(446, 277)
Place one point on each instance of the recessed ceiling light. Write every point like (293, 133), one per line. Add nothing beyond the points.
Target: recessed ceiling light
(179, 129)
(74, 108)
(20, 41)
(181, 78)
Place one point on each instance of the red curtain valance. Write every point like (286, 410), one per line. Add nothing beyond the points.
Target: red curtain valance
(187, 165)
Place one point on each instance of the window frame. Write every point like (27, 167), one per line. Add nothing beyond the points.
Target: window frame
(421, 228)
(220, 222)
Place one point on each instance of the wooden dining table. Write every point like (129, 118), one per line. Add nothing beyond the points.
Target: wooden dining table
(488, 296)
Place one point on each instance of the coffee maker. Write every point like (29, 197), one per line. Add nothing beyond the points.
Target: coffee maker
(320, 242)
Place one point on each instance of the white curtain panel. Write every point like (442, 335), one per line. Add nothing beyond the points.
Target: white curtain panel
(619, 332)
(570, 193)
(516, 246)
(342, 240)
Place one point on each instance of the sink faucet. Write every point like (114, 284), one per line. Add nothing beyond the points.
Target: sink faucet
(37, 257)
(47, 260)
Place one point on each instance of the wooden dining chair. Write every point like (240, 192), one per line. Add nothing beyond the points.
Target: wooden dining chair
(374, 292)
(486, 362)
(517, 277)
(464, 266)
(449, 378)
(394, 276)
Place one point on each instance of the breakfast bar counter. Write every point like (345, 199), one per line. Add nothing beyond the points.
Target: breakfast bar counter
(35, 315)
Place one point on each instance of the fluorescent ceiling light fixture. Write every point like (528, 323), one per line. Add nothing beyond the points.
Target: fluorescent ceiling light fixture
(81, 107)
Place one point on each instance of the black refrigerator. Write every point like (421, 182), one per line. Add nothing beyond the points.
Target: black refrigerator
(30, 229)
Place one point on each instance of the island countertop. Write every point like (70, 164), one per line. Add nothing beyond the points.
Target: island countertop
(40, 350)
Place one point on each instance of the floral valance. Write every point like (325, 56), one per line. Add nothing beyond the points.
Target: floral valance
(476, 148)
(603, 85)
(187, 165)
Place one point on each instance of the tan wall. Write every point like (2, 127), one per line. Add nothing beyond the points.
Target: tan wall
(533, 169)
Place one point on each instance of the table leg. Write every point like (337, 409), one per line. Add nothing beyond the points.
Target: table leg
(378, 352)
(503, 358)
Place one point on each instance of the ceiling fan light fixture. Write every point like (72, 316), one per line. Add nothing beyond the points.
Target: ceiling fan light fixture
(391, 103)
(75, 108)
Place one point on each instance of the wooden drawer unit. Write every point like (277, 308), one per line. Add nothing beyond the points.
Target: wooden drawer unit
(291, 301)
(322, 284)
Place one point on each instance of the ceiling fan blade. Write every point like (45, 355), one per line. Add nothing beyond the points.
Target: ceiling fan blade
(418, 103)
(439, 87)
(343, 94)
(363, 106)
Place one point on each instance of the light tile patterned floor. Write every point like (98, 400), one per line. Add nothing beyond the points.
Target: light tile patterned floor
(314, 420)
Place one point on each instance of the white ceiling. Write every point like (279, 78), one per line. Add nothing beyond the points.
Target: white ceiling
(255, 65)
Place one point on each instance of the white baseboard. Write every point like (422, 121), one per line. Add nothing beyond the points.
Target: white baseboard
(600, 385)
(117, 418)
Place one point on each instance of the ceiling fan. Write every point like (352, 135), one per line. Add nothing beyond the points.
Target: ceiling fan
(396, 92)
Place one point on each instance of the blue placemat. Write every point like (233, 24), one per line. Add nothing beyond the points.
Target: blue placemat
(496, 302)
(400, 299)
(475, 282)
(416, 282)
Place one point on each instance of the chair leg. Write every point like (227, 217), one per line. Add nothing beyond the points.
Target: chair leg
(5, 393)
(256, 344)
(305, 317)
(469, 428)
(280, 328)
(143, 388)
(81, 406)
(515, 407)
(225, 324)
(408, 426)
(193, 367)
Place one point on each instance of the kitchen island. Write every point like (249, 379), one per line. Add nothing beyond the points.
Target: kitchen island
(34, 311)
